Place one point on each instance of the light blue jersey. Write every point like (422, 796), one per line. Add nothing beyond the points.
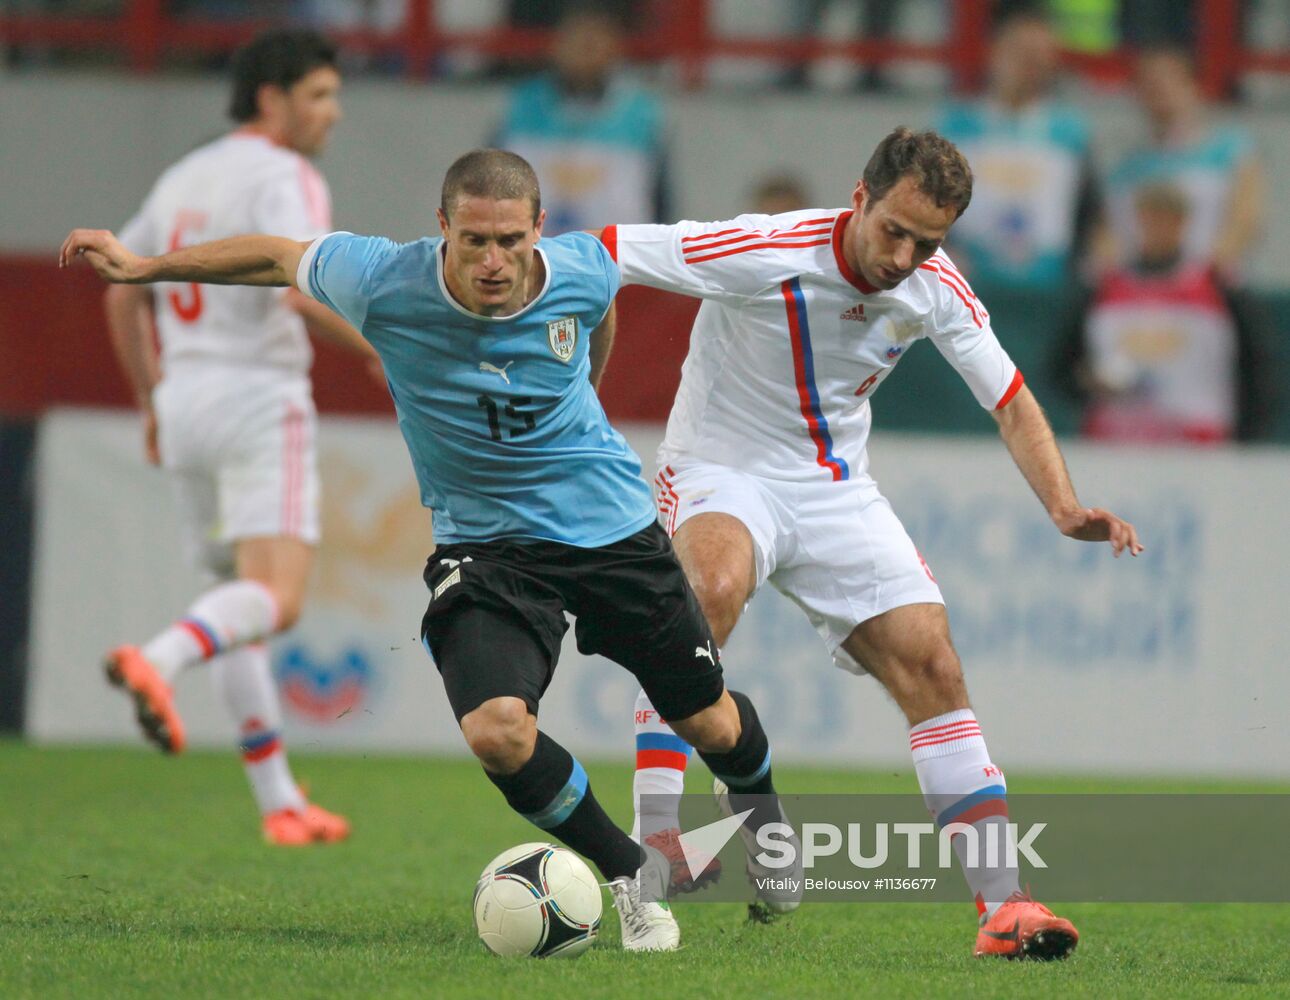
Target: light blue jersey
(1029, 169)
(600, 161)
(1204, 170)
(507, 436)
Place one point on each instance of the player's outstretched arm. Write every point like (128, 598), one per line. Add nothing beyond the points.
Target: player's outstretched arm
(240, 260)
(1033, 447)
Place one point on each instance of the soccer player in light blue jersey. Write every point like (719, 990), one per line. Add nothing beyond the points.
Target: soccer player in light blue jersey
(538, 502)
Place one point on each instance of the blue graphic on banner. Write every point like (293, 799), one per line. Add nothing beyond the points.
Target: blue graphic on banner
(1017, 590)
(323, 690)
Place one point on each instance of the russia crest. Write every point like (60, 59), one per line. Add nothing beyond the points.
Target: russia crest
(562, 335)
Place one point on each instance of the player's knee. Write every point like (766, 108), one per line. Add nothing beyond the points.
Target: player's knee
(713, 730)
(501, 733)
(722, 736)
(290, 607)
(939, 672)
(721, 595)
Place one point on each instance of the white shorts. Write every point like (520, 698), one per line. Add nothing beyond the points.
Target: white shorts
(837, 550)
(240, 445)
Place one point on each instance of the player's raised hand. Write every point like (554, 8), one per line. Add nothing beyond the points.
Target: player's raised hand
(104, 253)
(1093, 524)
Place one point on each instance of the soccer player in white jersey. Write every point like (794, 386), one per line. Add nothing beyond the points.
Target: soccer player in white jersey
(764, 476)
(229, 414)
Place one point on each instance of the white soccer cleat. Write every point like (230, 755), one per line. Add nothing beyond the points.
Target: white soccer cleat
(646, 925)
(779, 890)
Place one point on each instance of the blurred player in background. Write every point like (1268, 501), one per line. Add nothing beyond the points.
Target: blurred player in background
(493, 345)
(228, 411)
(777, 193)
(764, 472)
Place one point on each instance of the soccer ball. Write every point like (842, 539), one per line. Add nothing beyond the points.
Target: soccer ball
(538, 900)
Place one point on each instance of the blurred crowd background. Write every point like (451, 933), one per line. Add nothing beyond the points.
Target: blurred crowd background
(1134, 252)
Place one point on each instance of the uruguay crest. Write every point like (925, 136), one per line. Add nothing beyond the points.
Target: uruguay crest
(562, 335)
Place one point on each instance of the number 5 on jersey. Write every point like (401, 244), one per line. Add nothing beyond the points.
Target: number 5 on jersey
(188, 306)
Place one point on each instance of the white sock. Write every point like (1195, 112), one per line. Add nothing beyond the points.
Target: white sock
(961, 785)
(243, 681)
(223, 618)
(661, 757)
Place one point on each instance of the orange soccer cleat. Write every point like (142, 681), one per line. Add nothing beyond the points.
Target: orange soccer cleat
(294, 828)
(667, 843)
(1022, 928)
(154, 704)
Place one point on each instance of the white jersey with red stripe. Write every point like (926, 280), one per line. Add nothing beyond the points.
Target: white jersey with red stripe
(790, 344)
(240, 183)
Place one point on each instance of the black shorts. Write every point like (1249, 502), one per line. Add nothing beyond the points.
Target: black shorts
(496, 619)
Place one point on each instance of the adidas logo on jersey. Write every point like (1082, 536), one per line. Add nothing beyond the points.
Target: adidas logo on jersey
(856, 313)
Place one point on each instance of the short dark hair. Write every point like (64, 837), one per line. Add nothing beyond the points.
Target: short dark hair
(934, 163)
(497, 174)
(281, 58)
(1010, 12)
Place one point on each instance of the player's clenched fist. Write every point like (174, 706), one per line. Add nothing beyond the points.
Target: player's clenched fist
(105, 254)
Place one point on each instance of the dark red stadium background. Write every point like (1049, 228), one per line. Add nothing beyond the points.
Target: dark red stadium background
(54, 350)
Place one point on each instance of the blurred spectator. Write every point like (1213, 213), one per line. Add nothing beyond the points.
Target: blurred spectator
(335, 17)
(348, 15)
(594, 137)
(779, 193)
(1090, 26)
(1147, 23)
(1161, 352)
(530, 15)
(1034, 197)
(235, 10)
(549, 13)
(876, 20)
(1215, 165)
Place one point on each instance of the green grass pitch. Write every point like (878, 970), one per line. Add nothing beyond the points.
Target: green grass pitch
(126, 874)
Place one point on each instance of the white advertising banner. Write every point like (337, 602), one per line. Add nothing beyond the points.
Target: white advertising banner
(1174, 662)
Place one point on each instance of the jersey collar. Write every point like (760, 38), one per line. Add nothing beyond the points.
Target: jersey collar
(451, 300)
(839, 228)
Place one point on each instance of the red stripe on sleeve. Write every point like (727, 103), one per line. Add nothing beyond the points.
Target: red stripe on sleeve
(780, 235)
(609, 237)
(1013, 388)
(969, 303)
(769, 245)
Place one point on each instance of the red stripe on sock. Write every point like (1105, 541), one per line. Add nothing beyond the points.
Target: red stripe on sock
(203, 640)
(262, 753)
(967, 733)
(924, 729)
(991, 807)
(661, 758)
